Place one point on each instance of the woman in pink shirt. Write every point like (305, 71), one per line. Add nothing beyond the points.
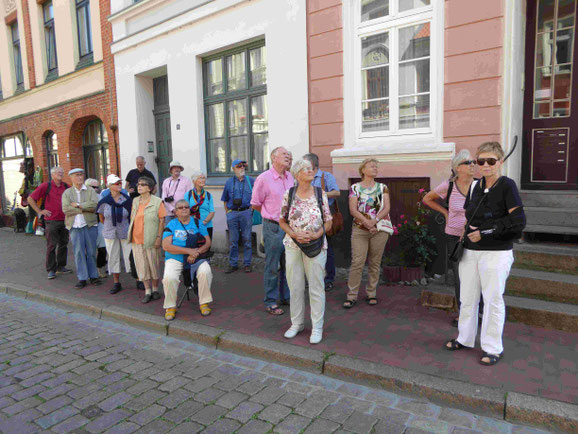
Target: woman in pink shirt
(174, 189)
(453, 211)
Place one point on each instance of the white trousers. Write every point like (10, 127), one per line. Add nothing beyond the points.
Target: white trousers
(172, 278)
(485, 272)
(297, 266)
(116, 249)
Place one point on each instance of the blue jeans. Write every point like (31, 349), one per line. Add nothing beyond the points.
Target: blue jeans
(240, 223)
(330, 264)
(273, 240)
(84, 245)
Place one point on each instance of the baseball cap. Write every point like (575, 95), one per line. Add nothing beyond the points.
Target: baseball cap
(112, 179)
(236, 162)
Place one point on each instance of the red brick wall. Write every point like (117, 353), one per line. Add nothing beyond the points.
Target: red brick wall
(325, 77)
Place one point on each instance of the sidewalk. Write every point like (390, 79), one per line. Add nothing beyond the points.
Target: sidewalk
(398, 332)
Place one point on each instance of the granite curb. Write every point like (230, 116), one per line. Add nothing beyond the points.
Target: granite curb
(514, 407)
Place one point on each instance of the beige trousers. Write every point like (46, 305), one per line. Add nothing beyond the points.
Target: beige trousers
(116, 249)
(365, 245)
(147, 262)
(172, 278)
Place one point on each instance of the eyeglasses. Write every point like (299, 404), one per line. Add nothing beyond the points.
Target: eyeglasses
(142, 185)
(490, 161)
(118, 183)
(467, 163)
(182, 207)
(240, 166)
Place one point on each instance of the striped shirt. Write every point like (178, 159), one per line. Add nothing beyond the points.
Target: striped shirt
(456, 213)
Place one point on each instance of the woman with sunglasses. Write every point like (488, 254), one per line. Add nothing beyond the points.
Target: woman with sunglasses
(114, 210)
(145, 235)
(497, 218)
(453, 192)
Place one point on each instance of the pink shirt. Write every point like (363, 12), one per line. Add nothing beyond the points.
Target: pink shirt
(456, 213)
(268, 192)
(177, 189)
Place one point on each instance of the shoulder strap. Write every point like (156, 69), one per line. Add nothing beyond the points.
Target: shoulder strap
(450, 188)
(248, 182)
(319, 194)
(323, 181)
(289, 202)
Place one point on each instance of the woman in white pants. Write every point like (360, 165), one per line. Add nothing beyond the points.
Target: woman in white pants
(487, 258)
(305, 217)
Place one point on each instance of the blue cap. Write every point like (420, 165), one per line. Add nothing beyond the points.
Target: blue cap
(235, 162)
(75, 171)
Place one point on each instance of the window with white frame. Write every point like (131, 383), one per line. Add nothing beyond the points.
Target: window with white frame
(49, 36)
(393, 58)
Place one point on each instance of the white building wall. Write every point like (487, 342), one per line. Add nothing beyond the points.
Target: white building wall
(212, 28)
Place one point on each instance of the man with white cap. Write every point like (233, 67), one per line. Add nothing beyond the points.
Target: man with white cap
(78, 205)
(174, 189)
(237, 200)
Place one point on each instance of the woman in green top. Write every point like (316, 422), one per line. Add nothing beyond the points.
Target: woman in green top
(369, 206)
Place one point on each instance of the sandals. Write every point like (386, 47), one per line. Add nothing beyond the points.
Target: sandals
(348, 304)
(493, 359)
(372, 301)
(275, 310)
(205, 309)
(170, 313)
(454, 345)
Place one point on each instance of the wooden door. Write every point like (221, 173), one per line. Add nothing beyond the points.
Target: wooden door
(550, 136)
(162, 116)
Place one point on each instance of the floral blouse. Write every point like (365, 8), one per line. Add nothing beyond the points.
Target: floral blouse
(369, 200)
(304, 215)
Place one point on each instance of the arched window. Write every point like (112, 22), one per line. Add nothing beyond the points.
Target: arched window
(11, 156)
(51, 149)
(95, 144)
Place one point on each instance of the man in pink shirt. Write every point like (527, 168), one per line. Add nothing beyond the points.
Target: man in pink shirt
(174, 189)
(267, 198)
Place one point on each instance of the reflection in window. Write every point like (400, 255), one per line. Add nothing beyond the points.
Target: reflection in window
(52, 150)
(49, 36)
(83, 28)
(16, 53)
(95, 146)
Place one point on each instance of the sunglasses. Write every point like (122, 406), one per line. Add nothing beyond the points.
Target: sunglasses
(118, 183)
(240, 166)
(490, 161)
(467, 163)
(182, 207)
(143, 185)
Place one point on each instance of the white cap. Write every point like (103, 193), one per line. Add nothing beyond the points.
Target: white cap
(112, 179)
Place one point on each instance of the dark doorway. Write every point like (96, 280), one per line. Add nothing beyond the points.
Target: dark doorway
(162, 116)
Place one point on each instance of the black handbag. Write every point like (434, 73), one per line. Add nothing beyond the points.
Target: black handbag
(312, 248)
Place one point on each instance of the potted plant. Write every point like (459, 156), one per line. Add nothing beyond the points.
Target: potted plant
(391, 268)
(417, 245)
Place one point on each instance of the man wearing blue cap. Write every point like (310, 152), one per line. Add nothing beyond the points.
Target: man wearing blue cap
(237, 200)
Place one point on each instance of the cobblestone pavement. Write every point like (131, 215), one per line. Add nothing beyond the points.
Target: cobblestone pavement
(63, 372)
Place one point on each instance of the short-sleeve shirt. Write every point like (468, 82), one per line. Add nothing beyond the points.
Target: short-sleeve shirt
(109, 231)
(235, 189)
(53, 201)
(304, 215)
(502, 197)
(178, 231)
(206, 207)
(456, 212)
(270, 186)
(177, 189)
(133, 176)
(330, 183)
(138, 225)
(369, 200)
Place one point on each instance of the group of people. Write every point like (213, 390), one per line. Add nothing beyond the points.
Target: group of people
(296, 203)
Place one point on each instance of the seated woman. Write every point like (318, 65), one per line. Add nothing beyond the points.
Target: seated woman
(184, 248)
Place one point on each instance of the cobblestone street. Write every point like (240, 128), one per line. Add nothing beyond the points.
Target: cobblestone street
(63, 372)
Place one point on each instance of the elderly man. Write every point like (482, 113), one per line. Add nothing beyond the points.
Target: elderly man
(46, 200)
(78, 205)
(328, 183)
(267, 198)
(133, 176)
(236, 198)
(184, 243)
(174, 189)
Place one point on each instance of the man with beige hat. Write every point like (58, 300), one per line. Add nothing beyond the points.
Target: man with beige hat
(174, 189)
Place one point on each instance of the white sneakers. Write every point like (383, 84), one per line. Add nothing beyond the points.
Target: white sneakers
(316, 336)
(293, 331)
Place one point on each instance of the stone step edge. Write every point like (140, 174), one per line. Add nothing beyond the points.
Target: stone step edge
(510, 406)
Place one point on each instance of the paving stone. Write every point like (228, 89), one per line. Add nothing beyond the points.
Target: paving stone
(244, 411)
(231, 399)
(54, 404)
(357, 404)
(163, 376)
(419, 408)
(183, 411)
(255, 427)
(121, 385)
(337, 412)
(112, 378)
(84, 391)
(460, 430)
(115, 401)
(223, 426)
(92, 412)
(88, 377)
(57, 417)
(70, 424)
(293, 424)
(311, 407)
(9, 390)
(201, 384)
(457, 417)
(141, 387)
(274, 413)
(392, 415)
(388, 427)
(19, 407)
(27, 415)
(146, 399)
(69, 366)
(37, 369)
(488, 425)
(209, 395)
(292, 399)
(6, 401)
(36, 379)
(107, 420)
(428, 424)
(158, 426)
(123, 428)
(268, 395)
(173, 399)
(81, 370)
(188, 427)
(251, 387)
(118, 365)
(321, 426)
(148, 414)
(209, 414)
(174, 384)
(360, 423)
(91, 399)
(96, 356)
(57, 391)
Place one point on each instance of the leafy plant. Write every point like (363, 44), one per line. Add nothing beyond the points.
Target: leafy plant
(417, 245)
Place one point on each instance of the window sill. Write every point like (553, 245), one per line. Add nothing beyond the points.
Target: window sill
(19, 89)
(85, 62)
(51, 76)
(388, 151)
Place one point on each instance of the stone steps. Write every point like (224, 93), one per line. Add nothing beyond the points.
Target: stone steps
(550, 212)
(543, 285)
(547, 257)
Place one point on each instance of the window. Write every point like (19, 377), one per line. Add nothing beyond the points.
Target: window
(52, 150)
(11, 155)
(394, 64)
(95, 145)
(49, 36)
(17, 57)
(83, 26)
(236, 109)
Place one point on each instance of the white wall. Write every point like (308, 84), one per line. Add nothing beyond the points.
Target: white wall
(282, 23)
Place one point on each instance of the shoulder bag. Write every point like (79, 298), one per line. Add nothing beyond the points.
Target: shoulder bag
(458, 251)
(312, 248)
